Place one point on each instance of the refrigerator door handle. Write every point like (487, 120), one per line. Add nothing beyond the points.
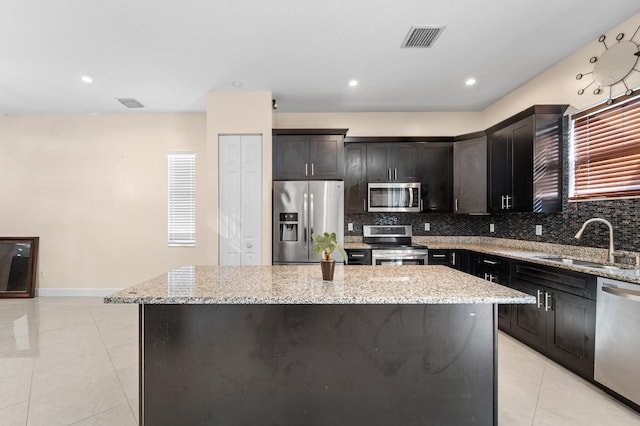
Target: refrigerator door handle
(311, 218)
(304, 215)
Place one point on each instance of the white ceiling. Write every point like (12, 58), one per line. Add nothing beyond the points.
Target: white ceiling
(168, 54)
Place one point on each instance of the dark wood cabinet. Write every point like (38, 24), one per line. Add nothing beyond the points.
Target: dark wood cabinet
(392, 162)
(358, 256)
(435, 174)
(470, 176)
(308, 156)
(498, 270)
(355, 178)
(515, 146)
(462, 260)
(562, 323)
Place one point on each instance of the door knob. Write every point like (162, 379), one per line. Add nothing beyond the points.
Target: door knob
(249, 245)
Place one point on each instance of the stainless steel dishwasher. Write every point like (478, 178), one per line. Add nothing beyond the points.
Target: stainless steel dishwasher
(618, 337)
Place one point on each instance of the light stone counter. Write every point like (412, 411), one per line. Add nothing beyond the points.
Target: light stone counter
(302, 284)
(529, 251)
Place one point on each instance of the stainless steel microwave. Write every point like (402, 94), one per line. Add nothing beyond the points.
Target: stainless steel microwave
(393, 197)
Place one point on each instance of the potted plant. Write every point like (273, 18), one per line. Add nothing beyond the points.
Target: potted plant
(324, 245)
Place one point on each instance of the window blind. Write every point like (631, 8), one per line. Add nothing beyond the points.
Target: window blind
(182, 198)
(605, 151)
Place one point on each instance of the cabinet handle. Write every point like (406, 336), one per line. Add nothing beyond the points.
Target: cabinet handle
(507, 198)
(306, 169)
(490, 262)
(453, 258)
(502, 203)
(539, 298)
(547, 300)
(357, 255)
(395, 174)
(364, 204)
(439, 256)
(312, 169)
(486, 276)
(456, 204)
(421, 204)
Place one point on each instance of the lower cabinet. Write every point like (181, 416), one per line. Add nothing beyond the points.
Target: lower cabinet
(498, 270)
(462, 260)
(562, 323)
(358, 256)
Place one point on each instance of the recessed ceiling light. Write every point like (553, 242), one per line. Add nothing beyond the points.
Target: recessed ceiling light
(470, 81)
(236, 83)
(86, 79)
(353, 83)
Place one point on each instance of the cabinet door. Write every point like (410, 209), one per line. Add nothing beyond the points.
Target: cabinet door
(522, 135)
(435, 174)
(528, 321)
(404, 164)
(499, 169)
(571, 327)
(291, 157)
(355, 178)
(470, 176)
(377, 166)
(326, 157)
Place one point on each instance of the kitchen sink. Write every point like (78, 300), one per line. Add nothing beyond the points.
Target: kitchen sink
(577, 262)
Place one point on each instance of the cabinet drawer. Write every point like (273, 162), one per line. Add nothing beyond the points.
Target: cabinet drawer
(439, 257)
(359, 256)
(556, 278)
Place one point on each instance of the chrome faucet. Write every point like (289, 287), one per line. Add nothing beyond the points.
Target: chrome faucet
(606, 222)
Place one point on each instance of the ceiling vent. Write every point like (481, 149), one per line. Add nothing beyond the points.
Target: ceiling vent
(130, 102)
(422, 36)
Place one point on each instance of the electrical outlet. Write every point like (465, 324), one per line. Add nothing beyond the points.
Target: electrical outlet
(538, 229)
(427, 226)
(350, 226)
(492, 227)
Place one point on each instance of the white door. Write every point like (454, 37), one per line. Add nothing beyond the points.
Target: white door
(240, 199)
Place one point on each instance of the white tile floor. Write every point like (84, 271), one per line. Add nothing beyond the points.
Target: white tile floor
(73, 361)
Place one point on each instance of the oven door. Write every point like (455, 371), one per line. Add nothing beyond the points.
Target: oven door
(399, 257)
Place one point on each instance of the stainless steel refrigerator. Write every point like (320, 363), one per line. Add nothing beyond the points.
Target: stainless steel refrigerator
(301, 208)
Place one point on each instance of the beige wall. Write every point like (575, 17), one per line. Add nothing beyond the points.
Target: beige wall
(239, 113)
(94, 189)
(385, 123)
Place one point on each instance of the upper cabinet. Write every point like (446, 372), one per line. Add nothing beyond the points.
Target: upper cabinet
(306, 154)
(435, 174)
(392, 162)
(470, 176)
(355, 178)
(525, 161)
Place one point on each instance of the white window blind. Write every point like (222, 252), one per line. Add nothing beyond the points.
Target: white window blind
(605, 151)
(182, 198)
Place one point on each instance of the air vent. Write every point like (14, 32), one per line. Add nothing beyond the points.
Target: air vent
(422, 36)
(130, 102)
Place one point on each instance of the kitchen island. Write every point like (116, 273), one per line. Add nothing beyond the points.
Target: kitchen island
(276, 345)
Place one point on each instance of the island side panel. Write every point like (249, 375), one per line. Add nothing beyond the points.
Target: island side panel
(318, 364)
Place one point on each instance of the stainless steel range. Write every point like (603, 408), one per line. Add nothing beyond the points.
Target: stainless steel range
(391, 245)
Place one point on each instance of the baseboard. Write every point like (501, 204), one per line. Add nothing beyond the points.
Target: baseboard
(75, 292)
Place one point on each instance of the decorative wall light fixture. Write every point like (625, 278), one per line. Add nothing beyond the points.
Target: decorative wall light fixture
(613, 66)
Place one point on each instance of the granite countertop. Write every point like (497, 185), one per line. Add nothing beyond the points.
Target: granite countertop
(529, 251)
(302, 284)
